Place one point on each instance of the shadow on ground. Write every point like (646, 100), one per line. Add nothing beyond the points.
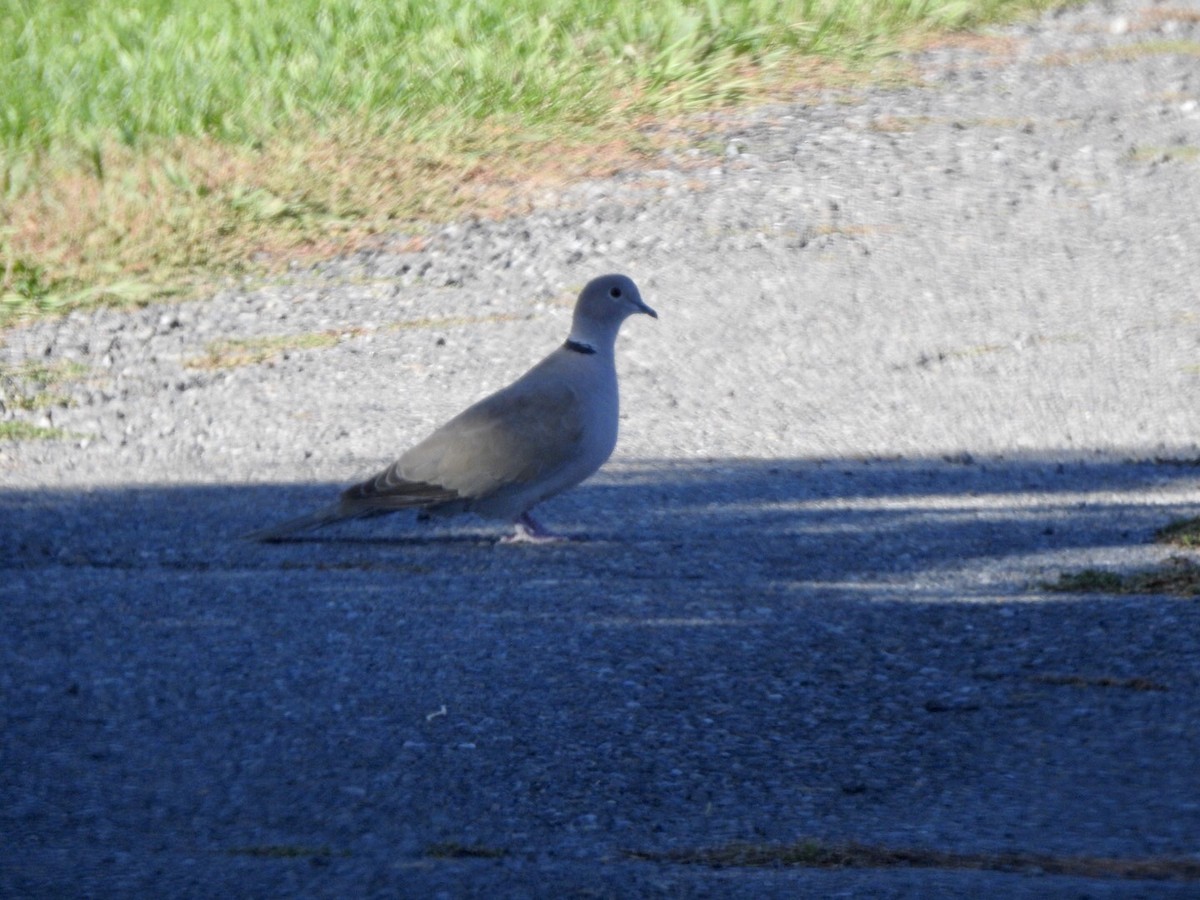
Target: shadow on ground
(742, 651)
(829, 519)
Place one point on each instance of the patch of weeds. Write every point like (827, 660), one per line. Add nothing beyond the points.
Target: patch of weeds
(40, 400)
(232, 352)
(285, 851)
(912, 123)
(1096, 581)
(1179, 576)
(1103, 681)
(1004, 123)
(1180, 153)
(30, 386)
(29, 291)
(455, 850)
(24, 431)
(818, 855)
(925, 360)
(990, 45)
(25, 279)
(48, 374)
(450, 321)
(26, 290)
(1128, 52)
(900, 124)
(848, 230)
(1184, 533)
(1154, 18)
(932, 357)
(825, 233)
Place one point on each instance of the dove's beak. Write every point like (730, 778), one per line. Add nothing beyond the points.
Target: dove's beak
(642, 307)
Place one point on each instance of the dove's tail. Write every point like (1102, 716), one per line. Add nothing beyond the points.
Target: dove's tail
(374, 497)
(327, 516)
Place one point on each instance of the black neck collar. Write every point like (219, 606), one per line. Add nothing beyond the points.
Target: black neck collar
(579, 347)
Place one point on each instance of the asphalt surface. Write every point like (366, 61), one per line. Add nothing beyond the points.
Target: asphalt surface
(921, 350)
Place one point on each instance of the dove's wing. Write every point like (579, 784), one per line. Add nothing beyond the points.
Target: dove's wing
(519, 435)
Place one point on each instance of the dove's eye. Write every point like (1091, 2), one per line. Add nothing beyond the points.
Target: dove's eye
(614, 292)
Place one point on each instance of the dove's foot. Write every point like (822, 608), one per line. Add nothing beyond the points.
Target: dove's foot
(527, 530)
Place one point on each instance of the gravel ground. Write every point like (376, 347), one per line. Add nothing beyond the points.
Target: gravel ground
(920, 351)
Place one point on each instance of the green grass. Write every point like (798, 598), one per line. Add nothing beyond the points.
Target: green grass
(149, 144)
(237, 69)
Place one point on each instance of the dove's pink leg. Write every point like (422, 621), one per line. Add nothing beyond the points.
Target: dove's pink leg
(527, 530)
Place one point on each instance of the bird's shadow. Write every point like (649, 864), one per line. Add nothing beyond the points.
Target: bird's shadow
(767, 519)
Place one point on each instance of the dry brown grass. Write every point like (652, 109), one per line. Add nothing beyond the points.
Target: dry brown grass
(1149, 19)
(229, 353)
(169, 219)
(115, 225)
(1126, 53)
(995, 45)
(233, 352)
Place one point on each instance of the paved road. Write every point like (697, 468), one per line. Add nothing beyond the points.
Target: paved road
(920, 351)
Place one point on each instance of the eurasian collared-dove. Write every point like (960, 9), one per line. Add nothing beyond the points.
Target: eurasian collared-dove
(546, 432)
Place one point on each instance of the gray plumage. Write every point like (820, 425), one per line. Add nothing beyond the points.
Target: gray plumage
(544, 433)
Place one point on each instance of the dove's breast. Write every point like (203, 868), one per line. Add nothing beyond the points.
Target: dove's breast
(580, 443)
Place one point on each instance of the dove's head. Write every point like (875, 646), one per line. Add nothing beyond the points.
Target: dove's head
(604, 303)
